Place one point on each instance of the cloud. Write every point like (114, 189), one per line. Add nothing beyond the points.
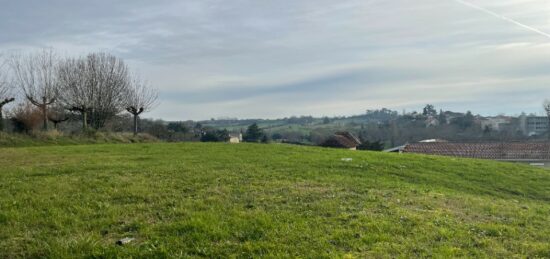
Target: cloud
(320, 57)
(505, 18)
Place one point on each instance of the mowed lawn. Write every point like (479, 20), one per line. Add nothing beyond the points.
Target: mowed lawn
(253, 200)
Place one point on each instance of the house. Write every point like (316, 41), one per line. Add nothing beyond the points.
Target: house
(235, 137)
(534, 153)
(450, 116)
(533, 125)
(431, 121)
(342, 140)
(495, 123)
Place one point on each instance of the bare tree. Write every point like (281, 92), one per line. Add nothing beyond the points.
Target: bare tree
(77, 89)
(140, 98)
(108, 80)
(546, 106)
(36, 76)
(57, 114)
(95, 87)
(6, 91)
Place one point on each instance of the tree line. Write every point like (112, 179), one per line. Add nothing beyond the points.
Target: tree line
(96, 87)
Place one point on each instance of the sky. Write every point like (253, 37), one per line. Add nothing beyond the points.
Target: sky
(277, 58)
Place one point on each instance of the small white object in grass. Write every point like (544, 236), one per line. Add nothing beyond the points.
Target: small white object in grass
(125, 241)
(347, 159)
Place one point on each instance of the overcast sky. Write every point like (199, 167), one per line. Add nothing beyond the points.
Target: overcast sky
(276, 58)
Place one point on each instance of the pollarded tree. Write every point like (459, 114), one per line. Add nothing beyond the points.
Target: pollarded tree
(6, 91)
(77, 87)
(57, 114)
(140, 98)
(95, 86)
(36, 75)
(108, 79)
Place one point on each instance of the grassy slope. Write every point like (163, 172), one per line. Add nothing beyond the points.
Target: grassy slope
(220, 200)
(54, 138)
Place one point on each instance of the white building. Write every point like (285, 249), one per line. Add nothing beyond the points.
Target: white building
(235, 138)
(533, 125)
(495, 123)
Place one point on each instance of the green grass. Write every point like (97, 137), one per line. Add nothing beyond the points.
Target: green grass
(247, 200)
(55, 138)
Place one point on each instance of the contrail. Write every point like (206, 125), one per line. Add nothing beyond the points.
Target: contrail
(504, 18)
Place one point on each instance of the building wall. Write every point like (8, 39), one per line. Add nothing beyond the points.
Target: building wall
(495, 123)
(534, 125)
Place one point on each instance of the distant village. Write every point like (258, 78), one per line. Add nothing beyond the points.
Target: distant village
(393, 128)
(382, 128)
(528, 125)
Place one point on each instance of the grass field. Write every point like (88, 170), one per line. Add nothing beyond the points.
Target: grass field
(247, 200)
(55, 138)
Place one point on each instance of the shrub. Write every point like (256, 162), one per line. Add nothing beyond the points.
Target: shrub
(215, 136)
(25, 118)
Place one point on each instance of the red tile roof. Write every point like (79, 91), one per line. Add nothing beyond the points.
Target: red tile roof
(342, 140)
(496, 151)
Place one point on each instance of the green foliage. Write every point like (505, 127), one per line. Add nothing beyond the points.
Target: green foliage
(277, 136)
(253, 133)
(215, 136)
(442, 118)
(371, 145)
(265, 139)
(178, 127)
(429, 110)
(465, 121)
(383, 114)
(277, 201)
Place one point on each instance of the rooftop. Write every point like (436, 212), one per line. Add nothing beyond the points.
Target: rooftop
(343, 140)
(516, 151)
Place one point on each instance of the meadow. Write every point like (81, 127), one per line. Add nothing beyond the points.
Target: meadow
(253, 200)
(56, 138)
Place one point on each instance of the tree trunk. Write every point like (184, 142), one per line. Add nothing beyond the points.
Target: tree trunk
(84, 120)
(1, 119)
(135, 124)
(6, 101)
(45, 113)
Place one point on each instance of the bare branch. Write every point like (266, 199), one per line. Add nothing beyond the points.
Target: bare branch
(94, 85)
(57, 115)
(6, 88)
(6, 101)
(546, 106)
(140, 97)
(33, 101)
(36, 74)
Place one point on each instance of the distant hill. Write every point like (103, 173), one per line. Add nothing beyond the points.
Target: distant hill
(389, 127)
